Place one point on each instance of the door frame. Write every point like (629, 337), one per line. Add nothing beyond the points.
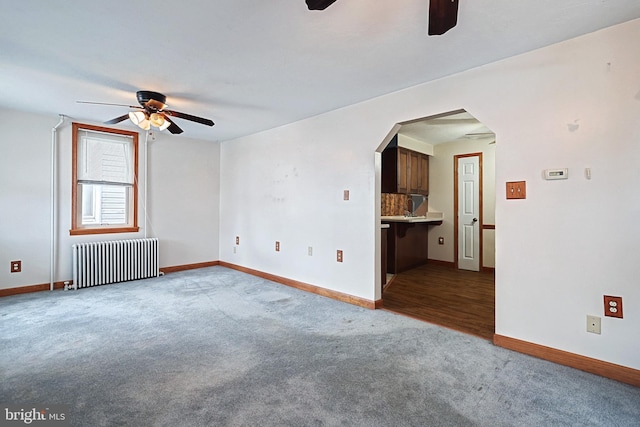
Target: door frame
(455, 206)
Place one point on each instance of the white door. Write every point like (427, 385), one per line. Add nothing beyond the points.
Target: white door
(469, 213)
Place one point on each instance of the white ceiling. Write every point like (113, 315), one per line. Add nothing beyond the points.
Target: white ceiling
(448, 127)
(253, 65)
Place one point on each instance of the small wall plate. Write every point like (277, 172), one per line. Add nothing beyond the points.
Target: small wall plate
(613, 306)
(517, 190)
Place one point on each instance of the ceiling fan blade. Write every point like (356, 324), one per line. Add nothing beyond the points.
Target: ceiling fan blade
(173, 128)
(443, 16)
(108, 103)
(189, 117)
(319, 4)
(117, 119)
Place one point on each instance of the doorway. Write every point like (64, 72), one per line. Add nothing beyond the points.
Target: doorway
(468, 201)
(459, 143)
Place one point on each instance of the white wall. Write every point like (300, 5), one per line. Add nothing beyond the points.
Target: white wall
(441, 197)
(183, 199)
(25, 148)
(287, 185)
(557, 252)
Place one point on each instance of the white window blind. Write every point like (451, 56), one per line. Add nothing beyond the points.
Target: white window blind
(105, 158)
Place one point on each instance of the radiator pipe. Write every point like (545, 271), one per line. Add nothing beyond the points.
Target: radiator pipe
(54, 143)
(146, 177)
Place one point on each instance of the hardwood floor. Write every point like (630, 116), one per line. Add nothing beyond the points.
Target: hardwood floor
(457, 299)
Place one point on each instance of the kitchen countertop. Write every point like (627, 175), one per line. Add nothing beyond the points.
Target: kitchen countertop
(429, 217)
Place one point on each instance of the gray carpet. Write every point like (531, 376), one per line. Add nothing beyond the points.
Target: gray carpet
(216, 347)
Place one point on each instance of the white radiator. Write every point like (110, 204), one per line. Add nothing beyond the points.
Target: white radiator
(101, 263)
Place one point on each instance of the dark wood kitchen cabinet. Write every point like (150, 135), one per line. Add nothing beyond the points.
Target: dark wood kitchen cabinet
(419, 173)
(405, 171)
(395, 164)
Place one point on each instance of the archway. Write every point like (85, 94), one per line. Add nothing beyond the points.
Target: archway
(444, 138)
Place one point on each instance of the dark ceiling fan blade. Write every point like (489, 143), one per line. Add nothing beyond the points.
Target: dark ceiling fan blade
(319, 4)
(443, 16)
(117, 119)
(189, 117)
(108, 103)
(173, 128)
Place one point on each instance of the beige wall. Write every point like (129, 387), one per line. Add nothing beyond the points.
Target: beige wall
(415, 145)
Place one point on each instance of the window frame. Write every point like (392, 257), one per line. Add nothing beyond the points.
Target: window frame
(79, 229)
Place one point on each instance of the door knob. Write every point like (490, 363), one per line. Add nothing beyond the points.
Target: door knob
(475, 220)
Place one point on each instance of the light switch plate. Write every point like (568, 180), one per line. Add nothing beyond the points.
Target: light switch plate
(517, 190)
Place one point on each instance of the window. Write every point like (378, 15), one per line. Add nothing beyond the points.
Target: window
(105, 187)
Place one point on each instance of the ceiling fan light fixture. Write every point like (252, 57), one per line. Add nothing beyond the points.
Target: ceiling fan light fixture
(152, 112)
(140, 119)
(157, 120)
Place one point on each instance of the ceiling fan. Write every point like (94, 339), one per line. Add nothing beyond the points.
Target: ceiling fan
(443, 14)
(153, 112)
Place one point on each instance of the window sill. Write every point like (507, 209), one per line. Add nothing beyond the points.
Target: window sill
(104, 230)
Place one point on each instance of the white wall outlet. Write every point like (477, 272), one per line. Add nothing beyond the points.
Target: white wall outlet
(310, 251)
(234, 249)
(593, 324)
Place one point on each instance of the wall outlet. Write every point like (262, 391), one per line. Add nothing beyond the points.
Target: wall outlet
(339, 256)
(593, 324)
(310, 251)
(613, 306)
(234, 249)
(16, 266)
(237, 240)
(345, 195)
(277, 246)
